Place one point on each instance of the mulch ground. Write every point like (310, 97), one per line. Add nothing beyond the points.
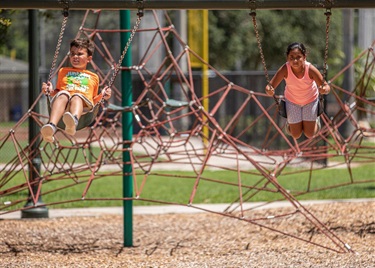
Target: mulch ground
(190, 240)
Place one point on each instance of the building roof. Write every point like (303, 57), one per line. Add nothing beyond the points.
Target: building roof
(8, 65)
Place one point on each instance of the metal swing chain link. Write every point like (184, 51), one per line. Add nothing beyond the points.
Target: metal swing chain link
(58, 46)
(135, 29)
(253, 14)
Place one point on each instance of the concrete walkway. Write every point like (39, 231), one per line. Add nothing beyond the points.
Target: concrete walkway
(170, 209)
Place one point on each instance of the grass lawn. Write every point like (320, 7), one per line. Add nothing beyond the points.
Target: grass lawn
(178, 189)
(214, 186)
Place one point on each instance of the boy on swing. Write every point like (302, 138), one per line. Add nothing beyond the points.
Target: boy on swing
(75, 90)
(303, 82)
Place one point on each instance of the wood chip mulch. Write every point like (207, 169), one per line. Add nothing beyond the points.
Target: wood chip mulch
(190, 240)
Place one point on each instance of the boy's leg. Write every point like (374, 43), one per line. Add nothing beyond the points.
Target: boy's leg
(57, 109)
(47, 131)
(76, 106)
(71, 118)
(71, 122)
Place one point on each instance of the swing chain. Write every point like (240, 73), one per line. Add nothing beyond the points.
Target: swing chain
(253, 15)
(66, 5)
(65, 13)
(135, 28)
(328, 19)
(140, 8)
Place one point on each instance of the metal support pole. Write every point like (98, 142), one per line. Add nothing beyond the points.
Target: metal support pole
(127, 131)
(205, 56)
(186, 4)
(34, 88)
(348, 23)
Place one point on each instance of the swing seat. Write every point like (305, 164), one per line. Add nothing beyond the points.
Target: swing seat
(281, 106)
(171, 103)
(116, 108)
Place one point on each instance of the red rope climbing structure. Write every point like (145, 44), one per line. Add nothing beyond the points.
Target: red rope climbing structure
(170, 138)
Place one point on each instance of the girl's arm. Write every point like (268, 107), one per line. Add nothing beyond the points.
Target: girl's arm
(276, 80)
(323, 86)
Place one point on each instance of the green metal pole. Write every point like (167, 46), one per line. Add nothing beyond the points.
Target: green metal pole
(34, 89)
(127, 131)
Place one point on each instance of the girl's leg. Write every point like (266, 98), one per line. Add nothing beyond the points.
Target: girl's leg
(296, 129)
(294, 113)
(309, 118)
(310, 128)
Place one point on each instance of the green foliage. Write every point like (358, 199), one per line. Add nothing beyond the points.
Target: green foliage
(364, 79)
(234, 31)
(15, 39)
(5, 22)
(364, 86)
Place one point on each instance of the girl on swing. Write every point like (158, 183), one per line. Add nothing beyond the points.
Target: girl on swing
(303, 82)
(75, 90)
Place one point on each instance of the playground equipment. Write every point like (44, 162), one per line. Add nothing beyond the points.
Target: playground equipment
(186, 4)
(163, 144)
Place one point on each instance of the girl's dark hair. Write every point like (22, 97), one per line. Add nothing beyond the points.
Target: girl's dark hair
(84, 43)
(295, 45)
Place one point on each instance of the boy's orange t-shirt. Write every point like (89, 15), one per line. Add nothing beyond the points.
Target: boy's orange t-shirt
(78, 81)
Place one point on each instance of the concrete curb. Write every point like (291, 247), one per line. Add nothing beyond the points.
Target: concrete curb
(172, 209)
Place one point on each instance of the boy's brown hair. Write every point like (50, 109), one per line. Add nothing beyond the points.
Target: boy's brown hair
(83, 43)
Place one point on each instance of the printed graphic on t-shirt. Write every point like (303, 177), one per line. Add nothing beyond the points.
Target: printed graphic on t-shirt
(77, 81)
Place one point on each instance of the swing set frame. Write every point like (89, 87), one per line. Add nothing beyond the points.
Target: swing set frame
(116, 71)
(187, 4)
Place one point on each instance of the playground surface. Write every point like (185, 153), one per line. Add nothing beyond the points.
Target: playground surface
(173, 238)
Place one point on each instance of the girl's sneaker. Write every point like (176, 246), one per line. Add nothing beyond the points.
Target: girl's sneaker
(47, 131)
(70, 122)
(318, 125)
(287, 129)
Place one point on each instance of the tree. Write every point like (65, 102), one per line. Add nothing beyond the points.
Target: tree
(14, 40)
(232, 41)
(5, 22)
(234, 31)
